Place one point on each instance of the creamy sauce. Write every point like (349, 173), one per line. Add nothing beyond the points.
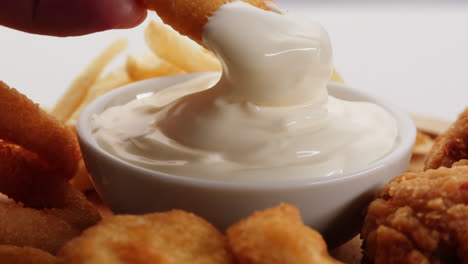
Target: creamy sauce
(268, 117)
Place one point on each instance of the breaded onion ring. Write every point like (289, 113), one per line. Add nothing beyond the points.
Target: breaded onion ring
(46, 229)
(25, 255)
(37, 157)
(25, 177)
(23, 123)
(189, 17)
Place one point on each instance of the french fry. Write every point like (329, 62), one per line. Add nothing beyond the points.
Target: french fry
(149, 66)
(336, 77)
(80, 86)
(82, 180)
(113, 80)
(169, 45)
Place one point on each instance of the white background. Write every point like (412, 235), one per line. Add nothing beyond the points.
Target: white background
(414, 55)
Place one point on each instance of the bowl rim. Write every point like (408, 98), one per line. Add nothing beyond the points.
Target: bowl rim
(405, 142)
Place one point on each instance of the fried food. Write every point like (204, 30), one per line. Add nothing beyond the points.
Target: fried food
(149, 66)
(82, 179)
(423, 143)
(174, 237)
(463, 162)
(111, 81)
(78, 90)
(24, 124)
(188, 17)
(46, 229)
(421, 147)
(24, 177)
(419, 218)
(38, 156)
(450, 146)
(85, 88)
(25, 255)
(177, 50)
(277, 235)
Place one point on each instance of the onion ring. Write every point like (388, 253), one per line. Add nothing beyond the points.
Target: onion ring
(23, 123)
(24, 178)
(38, 156)
(46, 229)
(25, 255)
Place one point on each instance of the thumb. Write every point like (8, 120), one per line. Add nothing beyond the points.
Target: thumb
(70, 17)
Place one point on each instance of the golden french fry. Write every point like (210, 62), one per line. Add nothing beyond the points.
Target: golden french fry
(80, 86)
(113, 80)
(82, 180)
(336, 77)
(423, 144)
(149, 66)
(169, 45)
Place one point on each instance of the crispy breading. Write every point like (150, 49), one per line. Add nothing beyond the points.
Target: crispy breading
(25, 255)
(24, 177)
(174, 237)
(419, 218)
(463, 162)
(38, 155)
(189, 17)
(23, 123)
(277, 235)
(451, 146)
(46, 229)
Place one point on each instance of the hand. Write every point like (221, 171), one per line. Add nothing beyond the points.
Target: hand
(70, 17)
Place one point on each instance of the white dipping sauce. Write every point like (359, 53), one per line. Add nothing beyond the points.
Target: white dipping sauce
(268, 118)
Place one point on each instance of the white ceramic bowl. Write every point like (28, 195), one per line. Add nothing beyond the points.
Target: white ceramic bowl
(332, 205)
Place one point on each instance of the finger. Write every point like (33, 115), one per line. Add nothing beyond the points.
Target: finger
(70, 17)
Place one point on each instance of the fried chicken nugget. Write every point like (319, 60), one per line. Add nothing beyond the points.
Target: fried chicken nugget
(25, 255)
(451, 146)
(419, 218)
(189, 17)
(174, 237)
(277, 235)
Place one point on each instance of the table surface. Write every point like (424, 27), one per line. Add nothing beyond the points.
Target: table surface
(413, 55)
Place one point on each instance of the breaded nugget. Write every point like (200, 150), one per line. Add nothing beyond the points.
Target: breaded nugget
(24, 255)
(189, 17)
(419, 218)
(451, 146)
(174, 237)
(277, 236)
